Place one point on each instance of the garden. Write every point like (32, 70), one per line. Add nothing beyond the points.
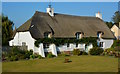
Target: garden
(96, 60)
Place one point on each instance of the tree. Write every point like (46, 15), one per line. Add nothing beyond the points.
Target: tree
(0, 31)
(7, 29)
(116, 18)
(109, 24)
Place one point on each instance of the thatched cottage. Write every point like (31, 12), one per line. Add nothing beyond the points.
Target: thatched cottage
(56, 25)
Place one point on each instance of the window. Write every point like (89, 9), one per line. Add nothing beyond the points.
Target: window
(12, 43)
(47, 35)
(68, 44)
(77, 35)
(45, 45)
(23, 44)
(99, 34)
(76, 44)
(101, 44)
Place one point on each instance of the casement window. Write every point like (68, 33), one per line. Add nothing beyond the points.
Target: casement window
(68, 45)
(45, 45)
(101, 44)
(79, 35)
(12, 43)
(76, 44)
(23, 43)
(99, 34)
(47, 35)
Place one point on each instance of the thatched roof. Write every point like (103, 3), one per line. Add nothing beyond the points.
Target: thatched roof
(64, 26)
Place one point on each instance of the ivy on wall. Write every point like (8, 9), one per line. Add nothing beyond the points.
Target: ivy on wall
(61, 41)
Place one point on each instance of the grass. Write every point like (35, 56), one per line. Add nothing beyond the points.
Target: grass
(78, 64)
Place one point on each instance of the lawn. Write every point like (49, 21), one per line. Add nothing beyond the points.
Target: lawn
(78, 64)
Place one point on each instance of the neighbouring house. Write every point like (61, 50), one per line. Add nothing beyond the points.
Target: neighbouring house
(116, 31)
(50, 24)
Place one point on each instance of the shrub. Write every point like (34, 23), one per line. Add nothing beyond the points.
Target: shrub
(13, 58)
(16, 54)
(96, 51)
(30, 52)
(21, 56)
(50, 55)
(40, 57)
(77, 52)
(84, 53)
(36, 55)
(109, 49)
(27, 56)
(32, 56)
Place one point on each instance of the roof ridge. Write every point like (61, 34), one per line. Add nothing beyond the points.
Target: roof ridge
(66, 14)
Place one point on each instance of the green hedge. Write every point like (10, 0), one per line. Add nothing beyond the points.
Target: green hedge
(60, 41)
(96, 51)
(76, 52)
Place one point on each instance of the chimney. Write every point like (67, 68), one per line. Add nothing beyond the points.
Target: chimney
(50, 11)
(99, 15)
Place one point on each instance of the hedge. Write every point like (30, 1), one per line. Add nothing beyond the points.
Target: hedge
(60, 41)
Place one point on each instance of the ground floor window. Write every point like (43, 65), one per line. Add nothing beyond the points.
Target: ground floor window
(76, 44)
(68, 44)
(23, 43)
(101, 44)
(12, 43)
(46, 45)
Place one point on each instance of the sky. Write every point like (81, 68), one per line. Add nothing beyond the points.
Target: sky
(60, 0)
(20, 12)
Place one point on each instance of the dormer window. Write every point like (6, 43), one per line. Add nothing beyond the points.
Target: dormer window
(100, 34)
(47, 35)
(79, 35)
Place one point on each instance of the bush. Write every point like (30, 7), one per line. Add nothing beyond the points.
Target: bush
(32, 56)
(109, 49)
(96, 51)
(21, 54)
(84, 53)
(110, 52)
(50, 55)
(13, 58)
(27, 56)
(36, 55)
(40, 57)
(77, 52)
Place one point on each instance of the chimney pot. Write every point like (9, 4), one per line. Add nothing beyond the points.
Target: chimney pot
(99, 15)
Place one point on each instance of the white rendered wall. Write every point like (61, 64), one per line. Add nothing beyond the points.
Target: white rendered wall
(23, 37)
(53, 49)
(64, 47)
(107, 43)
